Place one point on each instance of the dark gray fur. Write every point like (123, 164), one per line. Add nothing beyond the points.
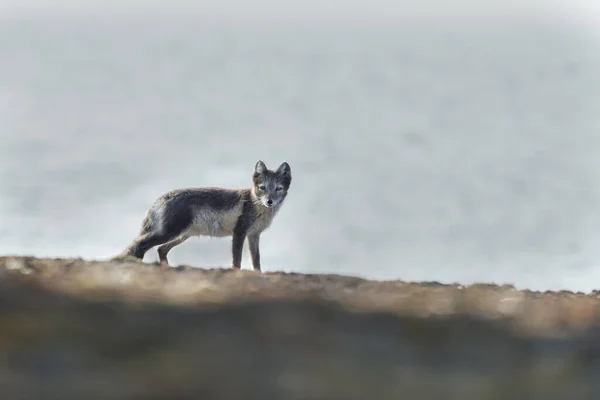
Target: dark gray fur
(219, 212)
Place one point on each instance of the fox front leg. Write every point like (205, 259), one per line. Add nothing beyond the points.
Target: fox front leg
(253, 244)
(237, 245)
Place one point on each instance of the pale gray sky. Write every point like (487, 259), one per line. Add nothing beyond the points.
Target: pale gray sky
(562, 10)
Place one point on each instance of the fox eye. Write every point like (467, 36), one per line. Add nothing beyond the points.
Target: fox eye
(279, 188)
(261, 187)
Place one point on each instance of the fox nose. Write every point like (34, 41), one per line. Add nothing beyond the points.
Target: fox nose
(269, 202)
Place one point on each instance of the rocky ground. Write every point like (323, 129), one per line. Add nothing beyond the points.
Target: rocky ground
(76, 329)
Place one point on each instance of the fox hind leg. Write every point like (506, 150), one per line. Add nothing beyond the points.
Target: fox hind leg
(164, 223)
(165, 248)
(145, 242)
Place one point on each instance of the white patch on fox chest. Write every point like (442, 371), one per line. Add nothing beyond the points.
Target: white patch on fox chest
(216, 223)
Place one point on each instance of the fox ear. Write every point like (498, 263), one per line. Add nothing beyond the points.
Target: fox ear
(284, 169)
(260, 167)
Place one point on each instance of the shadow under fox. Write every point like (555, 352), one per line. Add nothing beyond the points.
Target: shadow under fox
(218, 212)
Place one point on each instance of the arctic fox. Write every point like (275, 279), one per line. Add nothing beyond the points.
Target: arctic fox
(218, 212)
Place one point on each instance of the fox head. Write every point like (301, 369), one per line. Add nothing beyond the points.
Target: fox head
(271, 187)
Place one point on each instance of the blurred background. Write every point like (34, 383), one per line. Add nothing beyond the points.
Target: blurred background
(451, 141)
